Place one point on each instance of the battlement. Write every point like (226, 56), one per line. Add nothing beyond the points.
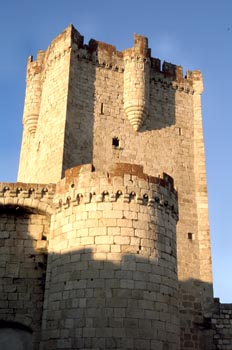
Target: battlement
(140, 48)
(127, 182)
(94, 49)
(121, 169)
(124, 182)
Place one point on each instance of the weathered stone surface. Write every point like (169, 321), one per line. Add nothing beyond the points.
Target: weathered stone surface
(129, 261)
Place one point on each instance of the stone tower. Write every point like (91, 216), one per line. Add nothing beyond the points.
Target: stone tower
(120, 256)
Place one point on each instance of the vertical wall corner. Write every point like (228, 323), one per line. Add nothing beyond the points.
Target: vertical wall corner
(196, 79)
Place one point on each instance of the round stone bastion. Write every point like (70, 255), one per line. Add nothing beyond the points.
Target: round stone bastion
(112, 271)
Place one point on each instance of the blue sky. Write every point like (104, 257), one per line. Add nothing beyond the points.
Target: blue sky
(195, 34)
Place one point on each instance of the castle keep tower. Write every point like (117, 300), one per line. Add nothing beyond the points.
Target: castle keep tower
(111, 202)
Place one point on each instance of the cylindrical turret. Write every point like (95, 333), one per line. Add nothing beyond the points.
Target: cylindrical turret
(112, 280)
(33, 93)
(137, 81)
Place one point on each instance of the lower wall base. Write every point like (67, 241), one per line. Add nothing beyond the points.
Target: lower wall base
(222, 326)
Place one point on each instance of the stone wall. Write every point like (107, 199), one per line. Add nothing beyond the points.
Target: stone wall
(23, 259)
(45, 108)
(222, 326)
(25, 211)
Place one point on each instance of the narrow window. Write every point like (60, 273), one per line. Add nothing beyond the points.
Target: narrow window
(190, 236)
(115, 142)
(102, 108)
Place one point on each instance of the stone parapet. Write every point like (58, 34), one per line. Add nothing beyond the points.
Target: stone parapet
(37, 197)
(124, 182)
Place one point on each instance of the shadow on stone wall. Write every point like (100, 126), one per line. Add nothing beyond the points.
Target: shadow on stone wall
(162, 110)
(80, 107)
(196, 315)
(100, 304)
(15, 336)
(89, 303)
(166, 82)
(23, 260)
(221, 324)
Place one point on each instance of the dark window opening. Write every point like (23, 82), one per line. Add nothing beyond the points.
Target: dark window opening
(190, 235)
(115, 142)
(102, 108)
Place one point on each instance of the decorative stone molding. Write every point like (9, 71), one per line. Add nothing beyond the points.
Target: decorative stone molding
(75, 188)
(30, 196)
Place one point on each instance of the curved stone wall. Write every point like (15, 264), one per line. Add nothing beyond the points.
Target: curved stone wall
(136, 78)
(111, 279)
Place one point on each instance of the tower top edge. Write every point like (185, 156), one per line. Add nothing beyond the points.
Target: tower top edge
(75, 41)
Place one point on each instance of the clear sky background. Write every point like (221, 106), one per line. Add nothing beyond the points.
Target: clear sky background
(194, 34)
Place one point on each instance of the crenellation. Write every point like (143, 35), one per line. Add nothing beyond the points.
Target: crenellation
(195, 78)
(173, 71)
(76, 197)
(40, 56)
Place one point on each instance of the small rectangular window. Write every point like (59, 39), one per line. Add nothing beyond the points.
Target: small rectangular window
(190, 236)
(115, 142)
